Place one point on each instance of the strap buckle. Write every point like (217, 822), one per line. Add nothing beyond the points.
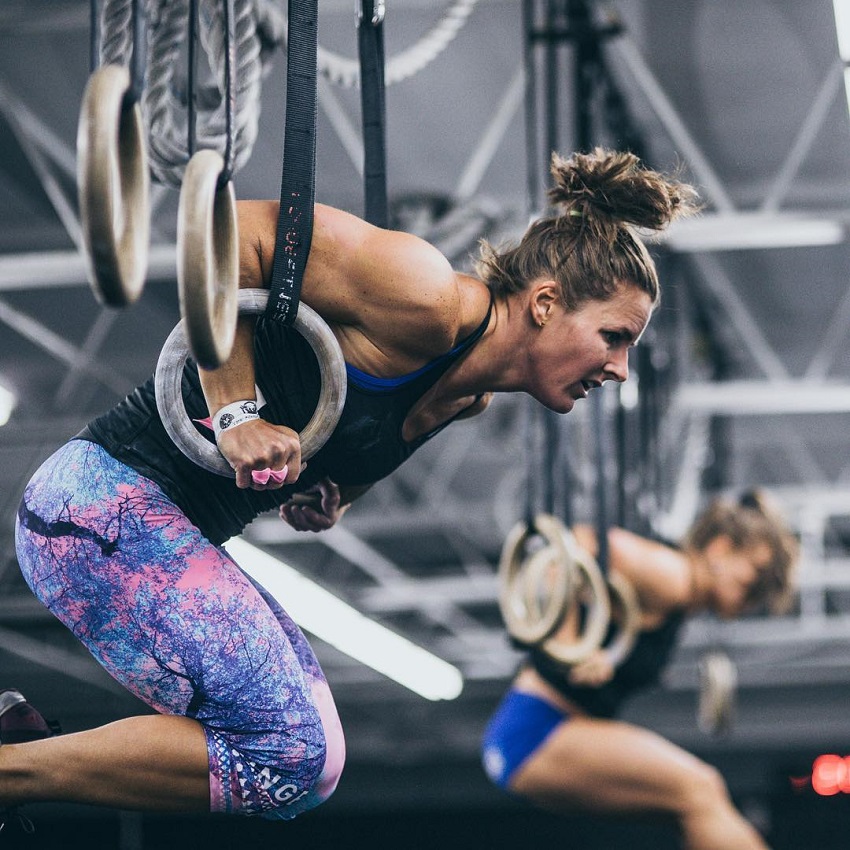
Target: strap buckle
(379, 9)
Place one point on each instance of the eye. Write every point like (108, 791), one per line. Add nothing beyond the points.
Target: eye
(613, 338)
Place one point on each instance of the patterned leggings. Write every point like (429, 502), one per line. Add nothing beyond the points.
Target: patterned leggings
(173, 619)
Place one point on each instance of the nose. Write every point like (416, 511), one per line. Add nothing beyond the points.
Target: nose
(617, 367)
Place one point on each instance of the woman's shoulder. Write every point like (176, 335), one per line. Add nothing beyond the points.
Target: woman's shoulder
(659, 573)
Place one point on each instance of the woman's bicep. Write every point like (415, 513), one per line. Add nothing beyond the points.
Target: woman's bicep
(257, 229)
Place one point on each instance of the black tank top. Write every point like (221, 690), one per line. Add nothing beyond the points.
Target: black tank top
(366, 445)
(641, 670)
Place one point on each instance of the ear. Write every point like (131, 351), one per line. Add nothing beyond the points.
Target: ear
(544, 296)
(718, 547)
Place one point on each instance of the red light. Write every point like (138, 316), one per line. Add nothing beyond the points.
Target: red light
(831, 775)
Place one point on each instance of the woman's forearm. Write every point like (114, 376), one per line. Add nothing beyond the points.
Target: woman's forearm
(234, 379)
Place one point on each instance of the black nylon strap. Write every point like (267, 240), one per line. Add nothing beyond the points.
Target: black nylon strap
(370, 44)
(297, 185)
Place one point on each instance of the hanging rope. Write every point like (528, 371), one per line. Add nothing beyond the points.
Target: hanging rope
(345, 72)
(257, 31)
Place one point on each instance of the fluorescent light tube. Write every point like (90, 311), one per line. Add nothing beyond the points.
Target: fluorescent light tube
(847, 85)
(762, 397)
(8, 402)
(748, 230)
(842, 27)
(338, 624)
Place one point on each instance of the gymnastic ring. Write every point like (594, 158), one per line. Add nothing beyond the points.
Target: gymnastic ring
(519, 577)
(208, 259)
(113, 186)
(592, 583)
(622, 597)
(172, 409)
(718, 679)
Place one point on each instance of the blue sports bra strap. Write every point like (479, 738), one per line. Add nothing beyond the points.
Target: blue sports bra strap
(297, 188)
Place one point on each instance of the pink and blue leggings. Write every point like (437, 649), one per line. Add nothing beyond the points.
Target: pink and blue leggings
(173, 619)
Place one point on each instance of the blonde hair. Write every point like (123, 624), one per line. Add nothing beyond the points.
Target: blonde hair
(589, 247)
(753, 521)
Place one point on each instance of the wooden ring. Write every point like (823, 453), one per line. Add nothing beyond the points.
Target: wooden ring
(718, 679)
(208, 259)
(521, 581)
(592, 584)
(113, 187)
(172, 409)
(624, 600)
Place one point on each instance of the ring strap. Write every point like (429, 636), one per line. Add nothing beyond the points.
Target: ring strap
(370, 43)
(600, 430)
(297, 187)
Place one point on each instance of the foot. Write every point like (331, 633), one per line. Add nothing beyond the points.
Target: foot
(19, 721)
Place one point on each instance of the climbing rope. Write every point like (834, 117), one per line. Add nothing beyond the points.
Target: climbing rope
(260, 28)
(257, 31)
(345, 72)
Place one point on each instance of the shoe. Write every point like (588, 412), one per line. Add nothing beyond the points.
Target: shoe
(19, 721)
(11, 821)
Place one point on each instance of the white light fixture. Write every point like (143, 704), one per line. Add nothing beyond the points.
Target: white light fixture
(847, 85)
(754, 398)
(8, 402)
(749, 230)
(842, 31)
(338, 624)
(842, 27)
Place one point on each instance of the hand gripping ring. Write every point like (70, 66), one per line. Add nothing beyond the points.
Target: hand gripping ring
(172, 409)
(624, 601)
(208, 259)
(598, 615)
(718, 682)
(113, 187)
(524, 581)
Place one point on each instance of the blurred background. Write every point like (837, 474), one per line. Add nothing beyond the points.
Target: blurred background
(742, 379)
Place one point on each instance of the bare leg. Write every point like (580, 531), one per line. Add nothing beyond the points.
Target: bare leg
(608, 766)
(156, 763)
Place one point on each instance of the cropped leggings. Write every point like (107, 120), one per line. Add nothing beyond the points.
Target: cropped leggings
(173, 618)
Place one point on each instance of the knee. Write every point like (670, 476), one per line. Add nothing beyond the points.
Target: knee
(334, 740)
(334, 761)
(704, 789)
(281, 774)
(316, 776)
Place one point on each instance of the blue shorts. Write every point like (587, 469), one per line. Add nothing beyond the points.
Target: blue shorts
(521, 723)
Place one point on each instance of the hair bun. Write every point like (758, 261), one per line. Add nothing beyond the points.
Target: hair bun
(614, 188)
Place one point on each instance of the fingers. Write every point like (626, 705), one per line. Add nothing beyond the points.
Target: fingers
(304, 518)
(263, 456)
(315, 509)
(593, 672)
(330, 496)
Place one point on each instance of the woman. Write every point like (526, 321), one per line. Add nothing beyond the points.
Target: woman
(553, 739)
(120, 535)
